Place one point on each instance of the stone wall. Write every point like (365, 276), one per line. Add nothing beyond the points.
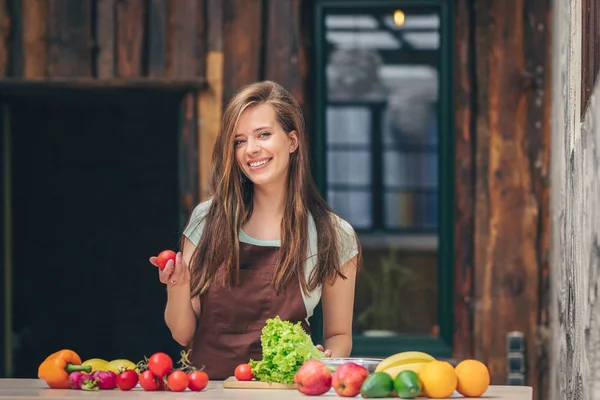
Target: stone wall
(575, 198)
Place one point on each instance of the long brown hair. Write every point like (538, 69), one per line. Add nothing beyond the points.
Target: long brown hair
(232, 203)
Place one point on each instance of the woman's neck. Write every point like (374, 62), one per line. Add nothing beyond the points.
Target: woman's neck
(270, 199)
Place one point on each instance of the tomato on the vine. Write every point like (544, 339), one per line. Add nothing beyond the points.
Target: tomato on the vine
(177, 381)
(127, 379)
(160, 364)
(150, 382)
(165, 256)
(243, 372)
(198, 380)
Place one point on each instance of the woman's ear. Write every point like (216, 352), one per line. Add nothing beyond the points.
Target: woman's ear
(293, 136)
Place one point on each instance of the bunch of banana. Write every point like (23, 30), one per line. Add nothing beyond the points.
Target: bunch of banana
(407, 360)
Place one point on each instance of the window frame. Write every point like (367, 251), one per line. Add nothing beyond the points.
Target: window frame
(438, 345)
(590, 50)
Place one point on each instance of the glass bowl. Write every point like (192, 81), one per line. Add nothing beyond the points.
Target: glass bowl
(369, 363)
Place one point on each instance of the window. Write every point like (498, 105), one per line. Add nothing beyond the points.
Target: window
(382, 124)
(384, 160)
(590, 50)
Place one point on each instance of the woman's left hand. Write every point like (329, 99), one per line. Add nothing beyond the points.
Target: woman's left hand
(326, 352)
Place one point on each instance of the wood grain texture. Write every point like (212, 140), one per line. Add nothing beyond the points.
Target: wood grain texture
(283, 45)
(69, 38)
(34, 53)
(187, 46)
(5, 45)
(188, 156)
(210, 110)
(509, 186)
(233, 383)
(465, 175)
(105, 31)
(130, 36)
(158, 38)
(242, 44)
(214, 25)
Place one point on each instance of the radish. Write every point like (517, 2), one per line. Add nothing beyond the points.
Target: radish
(105, 379)
(78, 379)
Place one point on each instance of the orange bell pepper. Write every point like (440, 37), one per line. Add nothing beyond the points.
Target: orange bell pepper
(56, 368)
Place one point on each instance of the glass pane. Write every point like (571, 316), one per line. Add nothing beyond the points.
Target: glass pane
(348, 125)
(353, 206)
(382, 84)
(410, 170)
(411, 210)
(349, 167)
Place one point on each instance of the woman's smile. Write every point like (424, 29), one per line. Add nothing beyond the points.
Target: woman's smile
(258, 163)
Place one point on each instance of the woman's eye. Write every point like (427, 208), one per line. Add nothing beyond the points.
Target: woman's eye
(238, 142)
(264, 134)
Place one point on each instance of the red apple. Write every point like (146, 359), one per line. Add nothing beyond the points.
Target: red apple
(313, 378)
(348, 379)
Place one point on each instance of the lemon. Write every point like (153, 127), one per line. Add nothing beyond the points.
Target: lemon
(121, 364)
(97, 364)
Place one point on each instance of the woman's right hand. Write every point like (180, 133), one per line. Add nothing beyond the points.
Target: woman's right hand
(175, 274)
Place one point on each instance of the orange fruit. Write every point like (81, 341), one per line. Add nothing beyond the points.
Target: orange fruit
(438, 379)
(473, 378)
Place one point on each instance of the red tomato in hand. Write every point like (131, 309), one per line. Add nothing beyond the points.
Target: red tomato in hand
(243, 372)
(127, 380)
(149, 382)
(177, 381)
(198, 380)
(160, 364)
(165, 256)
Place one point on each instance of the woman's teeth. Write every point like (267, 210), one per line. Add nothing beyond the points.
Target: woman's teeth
(259, 163)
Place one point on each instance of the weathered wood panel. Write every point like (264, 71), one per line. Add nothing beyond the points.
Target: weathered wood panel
(188, 156)
(69, 38)
(509, 188)
(575, 250)
(210, 102)
(158, 37)
(130, 36)
(283, 45)
(187, 44)
(465, 175)
(32, 19)
(4, 38)
(242, 44)
(105, 38)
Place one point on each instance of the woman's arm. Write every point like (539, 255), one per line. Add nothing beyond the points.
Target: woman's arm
(181, 313)
(338, 308)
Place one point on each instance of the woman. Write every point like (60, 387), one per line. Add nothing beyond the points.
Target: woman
(272, 245)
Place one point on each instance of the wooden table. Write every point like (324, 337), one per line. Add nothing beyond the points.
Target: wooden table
(36, 389)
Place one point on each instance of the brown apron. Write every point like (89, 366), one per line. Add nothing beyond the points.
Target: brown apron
(230, 324)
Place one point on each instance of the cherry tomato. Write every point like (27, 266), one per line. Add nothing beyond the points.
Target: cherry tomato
(177, 381)
(243, 372)
(165, 256)
(160, 364)
(198, 380)
(127, 380)
(149, 382)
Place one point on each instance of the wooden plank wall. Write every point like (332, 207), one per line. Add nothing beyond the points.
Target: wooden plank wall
(502, 202)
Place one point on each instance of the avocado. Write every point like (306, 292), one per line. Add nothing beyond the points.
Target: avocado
(378, 384)
(407, 384)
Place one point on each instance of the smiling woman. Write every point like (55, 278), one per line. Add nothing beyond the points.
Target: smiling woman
(261, 257)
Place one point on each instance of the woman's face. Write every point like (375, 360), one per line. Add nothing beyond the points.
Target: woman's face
(262, 147)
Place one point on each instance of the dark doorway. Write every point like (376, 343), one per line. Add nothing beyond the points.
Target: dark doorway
(94, 194)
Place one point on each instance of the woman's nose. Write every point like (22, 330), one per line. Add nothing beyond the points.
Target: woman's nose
(252, 147)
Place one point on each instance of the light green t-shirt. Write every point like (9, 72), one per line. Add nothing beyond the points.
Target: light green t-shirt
(348, 246)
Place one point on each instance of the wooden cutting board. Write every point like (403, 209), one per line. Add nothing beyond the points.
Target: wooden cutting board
(233, 383)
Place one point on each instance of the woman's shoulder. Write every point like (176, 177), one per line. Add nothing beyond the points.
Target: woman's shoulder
(347, 238)
(196, 222)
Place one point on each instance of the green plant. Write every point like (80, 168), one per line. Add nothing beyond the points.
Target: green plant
(394, 281)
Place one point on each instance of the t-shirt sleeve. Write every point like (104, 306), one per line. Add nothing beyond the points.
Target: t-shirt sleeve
(195, 227)
(348, 246)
